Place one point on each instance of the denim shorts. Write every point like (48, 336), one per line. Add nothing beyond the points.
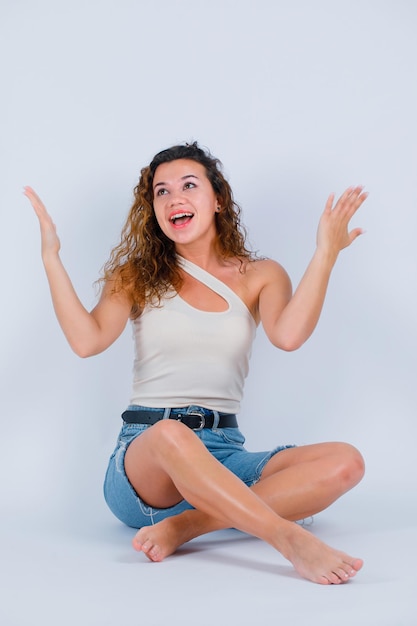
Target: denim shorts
(225, 444)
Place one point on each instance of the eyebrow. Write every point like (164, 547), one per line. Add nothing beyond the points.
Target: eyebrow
(182, 178)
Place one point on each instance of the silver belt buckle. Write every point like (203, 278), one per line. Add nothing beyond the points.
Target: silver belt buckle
(202, 419)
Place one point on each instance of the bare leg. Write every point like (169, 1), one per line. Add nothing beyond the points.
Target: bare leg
(296, 483)
(177, 465)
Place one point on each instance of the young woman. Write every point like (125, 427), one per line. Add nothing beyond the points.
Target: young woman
(194, 293)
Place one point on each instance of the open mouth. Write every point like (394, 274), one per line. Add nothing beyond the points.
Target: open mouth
(180, 219)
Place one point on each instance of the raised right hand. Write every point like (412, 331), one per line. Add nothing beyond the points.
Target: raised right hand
(49, 239)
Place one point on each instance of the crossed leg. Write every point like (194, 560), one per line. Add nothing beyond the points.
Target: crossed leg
(168, 463)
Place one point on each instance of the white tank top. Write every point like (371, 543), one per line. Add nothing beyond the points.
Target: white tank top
(186, 356)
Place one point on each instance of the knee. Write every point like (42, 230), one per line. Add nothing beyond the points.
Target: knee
(351, 465)
(170, 436)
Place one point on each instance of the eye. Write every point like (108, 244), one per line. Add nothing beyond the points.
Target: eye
(189, 185)
(161, 192)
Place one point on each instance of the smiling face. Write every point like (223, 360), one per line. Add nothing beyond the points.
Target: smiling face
(184, 202)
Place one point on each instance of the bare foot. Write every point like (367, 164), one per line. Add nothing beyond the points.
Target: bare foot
(317, 561)
(311, 558)
(164, 538)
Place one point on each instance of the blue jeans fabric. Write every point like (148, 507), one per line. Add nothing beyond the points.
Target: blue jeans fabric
(225, 444)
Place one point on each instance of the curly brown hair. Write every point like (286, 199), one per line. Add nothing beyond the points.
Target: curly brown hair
(144, 264)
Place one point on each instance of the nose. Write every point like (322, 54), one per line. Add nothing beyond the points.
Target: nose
(176, 198)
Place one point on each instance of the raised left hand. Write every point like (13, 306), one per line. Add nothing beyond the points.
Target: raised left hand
(333, 233)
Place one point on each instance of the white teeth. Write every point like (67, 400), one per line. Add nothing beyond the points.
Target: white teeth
(177, 216)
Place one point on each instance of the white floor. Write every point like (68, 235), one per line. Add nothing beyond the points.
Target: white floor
(85, 573)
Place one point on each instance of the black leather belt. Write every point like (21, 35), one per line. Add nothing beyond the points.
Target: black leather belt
(195, 419)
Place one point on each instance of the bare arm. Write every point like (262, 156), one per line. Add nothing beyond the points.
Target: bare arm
(290, 320)
(88, 333)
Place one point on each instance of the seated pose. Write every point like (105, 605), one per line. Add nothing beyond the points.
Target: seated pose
(195, 294)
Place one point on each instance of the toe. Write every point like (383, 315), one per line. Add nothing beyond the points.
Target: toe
(353, 566)
(137, 544)
(343, 574)
(155, 553)
(334, 578)
(147, 546)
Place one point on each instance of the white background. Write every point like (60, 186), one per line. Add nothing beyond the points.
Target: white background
(298, 99)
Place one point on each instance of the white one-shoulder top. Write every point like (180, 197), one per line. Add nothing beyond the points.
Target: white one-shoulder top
(185, 356)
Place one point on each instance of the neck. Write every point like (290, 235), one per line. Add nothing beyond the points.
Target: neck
(204, 256)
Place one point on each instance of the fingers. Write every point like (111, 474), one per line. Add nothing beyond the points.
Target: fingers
(329, 203)
(350, 201)
(356, 232)
(333, 232)
(35, 201)
(31, 194)
(49, 237)
(45, 219)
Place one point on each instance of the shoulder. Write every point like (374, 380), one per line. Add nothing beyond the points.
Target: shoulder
(115, 292)
(267, 271)
(267, 285)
